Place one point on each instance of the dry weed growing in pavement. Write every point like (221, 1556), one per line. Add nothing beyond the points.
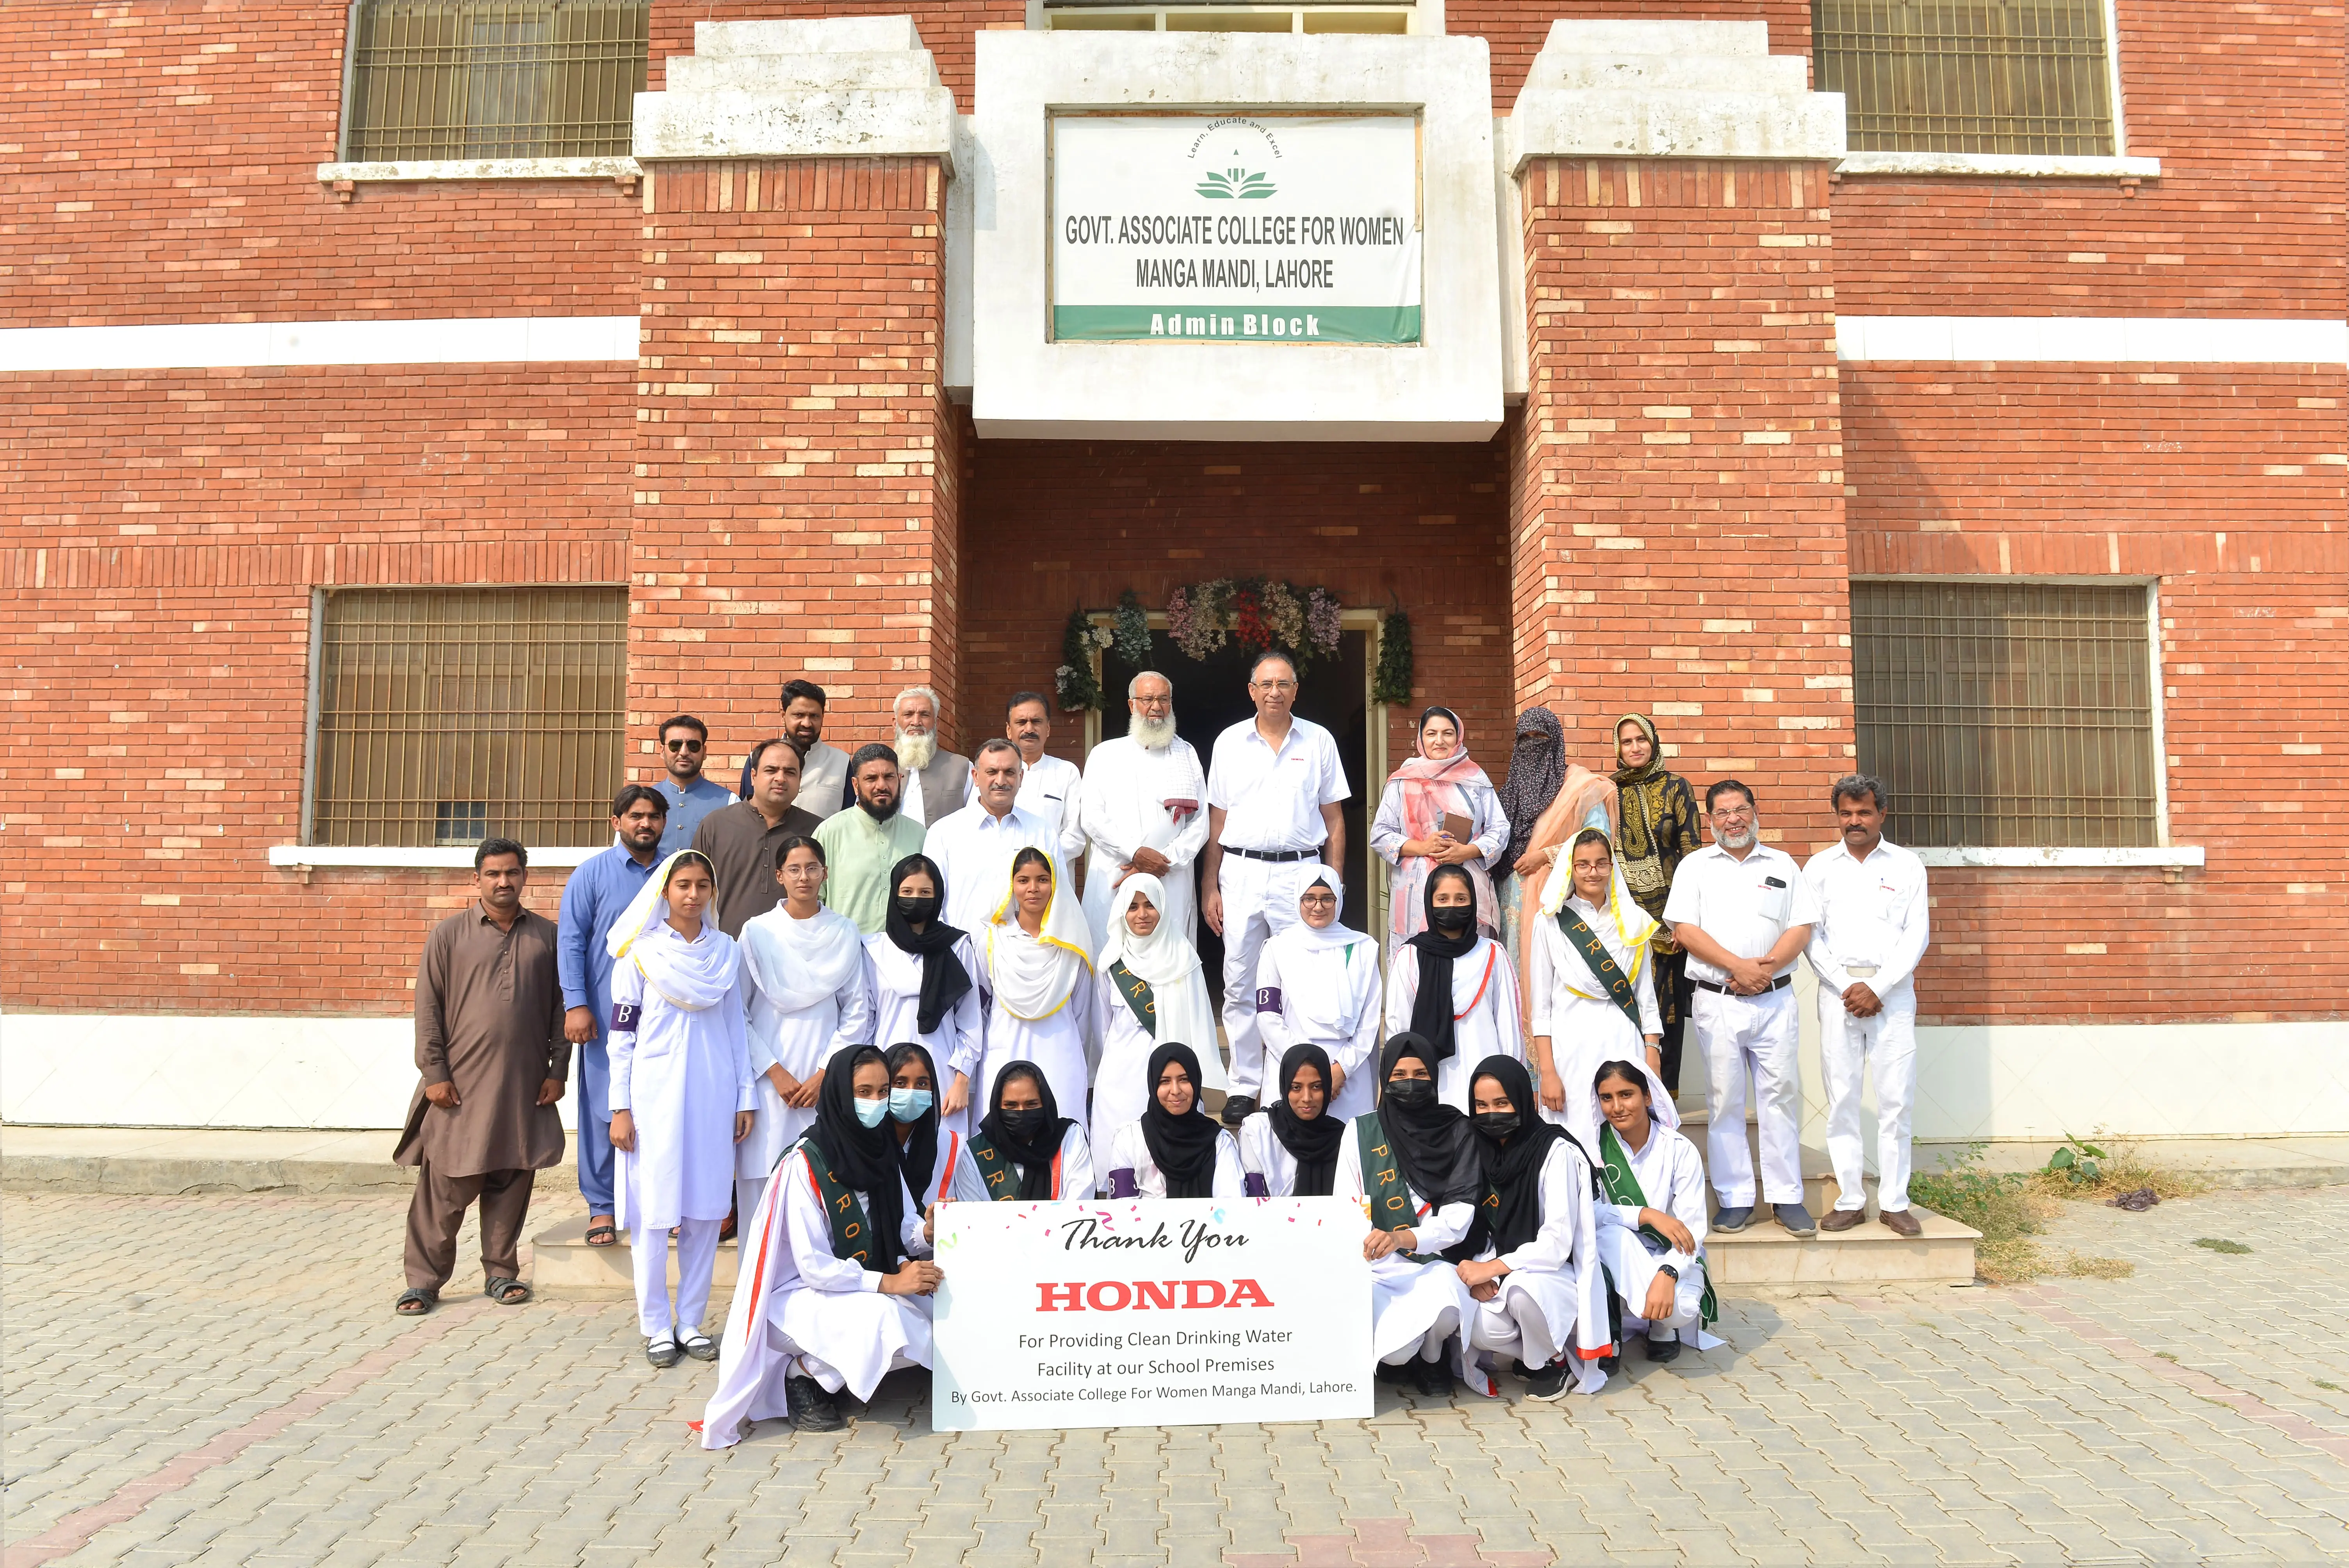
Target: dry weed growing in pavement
(2119, 1167)
(2011, 1209)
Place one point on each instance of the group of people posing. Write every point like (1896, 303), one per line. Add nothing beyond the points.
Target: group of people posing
(924, 1012)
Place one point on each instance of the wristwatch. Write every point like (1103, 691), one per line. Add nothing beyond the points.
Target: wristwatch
(1668, 1269)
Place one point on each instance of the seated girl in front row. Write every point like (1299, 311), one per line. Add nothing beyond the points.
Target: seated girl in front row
(1025, 1150)
(1650, 1216)
(1175, 1150)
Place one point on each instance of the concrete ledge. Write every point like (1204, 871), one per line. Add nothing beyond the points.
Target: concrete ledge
(1670, 89)
(563, 1265)
(417, 170)
(1996, 165)
(846, 86)
(2176, 855)
(324, 857)
(165, 1162)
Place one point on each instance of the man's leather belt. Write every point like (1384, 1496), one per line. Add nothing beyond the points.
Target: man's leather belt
(1780, 984)
(1277, 856)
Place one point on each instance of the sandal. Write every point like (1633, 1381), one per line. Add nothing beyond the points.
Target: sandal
(416, 1301)
(506, 1291)
(697, 1345)
(601, 1234)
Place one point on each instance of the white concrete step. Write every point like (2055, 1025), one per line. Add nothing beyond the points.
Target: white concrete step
(562, 1264)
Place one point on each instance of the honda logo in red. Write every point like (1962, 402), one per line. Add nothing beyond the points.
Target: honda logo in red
(1150, 1295)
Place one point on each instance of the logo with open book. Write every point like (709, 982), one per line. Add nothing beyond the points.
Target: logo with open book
(1235, 185)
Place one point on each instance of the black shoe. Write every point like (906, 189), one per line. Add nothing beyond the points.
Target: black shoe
(1238, 1108)
(663, 1352)
(1729, 1221)
(1435, 1378)
(1394, 1372)
(1664, 1349)
(1610, 1364)
(1548, 1382)
(1796, 1218)
(697, 1345)
(812, 1410)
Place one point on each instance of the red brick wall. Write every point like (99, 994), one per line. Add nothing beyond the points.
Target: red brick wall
(2212, 481)
(1678, 516)
(1059, 525)
(795, 486)
(167, 172)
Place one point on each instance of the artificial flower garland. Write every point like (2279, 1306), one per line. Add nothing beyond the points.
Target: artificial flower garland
(1257, 612)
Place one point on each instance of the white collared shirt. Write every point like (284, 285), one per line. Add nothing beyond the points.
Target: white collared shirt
(974, 850)
(1272, 801)
(1744, 905)
(1048, 792)
(1871, 911)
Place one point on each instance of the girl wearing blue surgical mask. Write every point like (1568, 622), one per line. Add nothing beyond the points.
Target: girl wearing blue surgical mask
(933, 1154)
(836, 1288)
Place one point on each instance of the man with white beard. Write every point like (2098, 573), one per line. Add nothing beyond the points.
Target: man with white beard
(1142, 810)
(935, 782)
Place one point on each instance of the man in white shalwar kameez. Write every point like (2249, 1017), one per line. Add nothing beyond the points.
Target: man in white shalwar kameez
(973, 848)
(1144, 809)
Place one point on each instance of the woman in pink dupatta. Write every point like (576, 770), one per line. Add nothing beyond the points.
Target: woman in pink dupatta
(1442, 779)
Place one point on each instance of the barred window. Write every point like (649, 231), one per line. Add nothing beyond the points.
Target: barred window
(2007, 714)
(1968, 76)
(447, 716)
(492, 78)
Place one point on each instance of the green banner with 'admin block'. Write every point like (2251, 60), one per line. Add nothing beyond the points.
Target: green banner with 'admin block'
(1228, 323)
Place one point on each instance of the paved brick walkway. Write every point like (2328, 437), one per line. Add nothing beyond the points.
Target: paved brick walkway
(220, 1380)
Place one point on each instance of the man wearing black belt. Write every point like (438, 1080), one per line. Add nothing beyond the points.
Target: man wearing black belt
(1744, 911)
(1275, 786)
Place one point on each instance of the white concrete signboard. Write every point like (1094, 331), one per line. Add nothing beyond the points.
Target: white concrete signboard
(1236, 228)
(1122, 1313)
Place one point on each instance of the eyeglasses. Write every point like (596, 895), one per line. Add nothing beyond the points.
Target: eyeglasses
(684, 744)
(1319, 898)
(1276, 685)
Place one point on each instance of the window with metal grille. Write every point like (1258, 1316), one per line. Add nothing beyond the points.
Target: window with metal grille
(431, 80)
(446, 716)
(2007, 714)
(1968, 76)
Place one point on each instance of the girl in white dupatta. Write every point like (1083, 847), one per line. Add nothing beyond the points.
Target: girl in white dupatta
(680, 1094)
(1150, 987)
(808, 1001)
(1651, 1215)
(1040, 972)
(1590, 1004)
(1318, 984)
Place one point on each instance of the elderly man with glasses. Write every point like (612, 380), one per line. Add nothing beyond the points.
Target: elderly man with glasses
(685, 747)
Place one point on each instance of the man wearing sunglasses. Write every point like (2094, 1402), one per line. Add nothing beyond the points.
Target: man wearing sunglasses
(685, 745)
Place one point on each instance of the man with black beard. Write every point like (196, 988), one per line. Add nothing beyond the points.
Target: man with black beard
(861, 845)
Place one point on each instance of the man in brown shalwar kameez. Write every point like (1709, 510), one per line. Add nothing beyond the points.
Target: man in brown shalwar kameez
(491, 1048)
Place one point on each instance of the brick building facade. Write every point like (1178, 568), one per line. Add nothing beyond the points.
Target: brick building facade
(1743, 374)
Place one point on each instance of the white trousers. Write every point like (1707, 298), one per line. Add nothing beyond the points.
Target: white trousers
(1884, 1047)
(747, 1191)
(697, 1255)
(1743, 1036)
(1633, 1269)
(1259, 898)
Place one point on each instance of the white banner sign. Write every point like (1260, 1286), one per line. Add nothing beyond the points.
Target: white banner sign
(1124, 1313)
(1236, 228)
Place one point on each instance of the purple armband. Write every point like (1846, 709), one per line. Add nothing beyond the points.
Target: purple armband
(1268, 999)
(1254, 1185)
(1122, 1184)
(623, 1017)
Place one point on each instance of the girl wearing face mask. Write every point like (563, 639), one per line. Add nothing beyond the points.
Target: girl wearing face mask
(1413, 1167)
(835, 1289)
(1593, 998)
(1318, 984)
(920, 971)
(1541, 1295)
(1040, 978)
(805, 964)
(1176, 1150)
(935, 1158)
(680, 1094)
(1455, 988)
(1025, 1150)
(1151, 988)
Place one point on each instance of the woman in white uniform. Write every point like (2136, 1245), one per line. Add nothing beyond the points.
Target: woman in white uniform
(1441, 781)
(1150, 988)
(680, 1094)
(934, 1157)
(1593, 997)
(1650, 1216)
(1454, 989)
(806, 964)
(1412, 1165)
(1541, 1295)
(1318, 984)
(919, 972)
(835, 1289)
(1040, 980)
(1289, 1149)
(1176, 1150)
(1026, 1151)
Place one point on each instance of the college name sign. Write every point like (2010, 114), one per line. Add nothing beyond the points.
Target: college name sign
(1126, 1313)
(1236, 228)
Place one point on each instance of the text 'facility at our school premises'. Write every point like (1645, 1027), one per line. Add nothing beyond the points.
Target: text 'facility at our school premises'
(412, 402)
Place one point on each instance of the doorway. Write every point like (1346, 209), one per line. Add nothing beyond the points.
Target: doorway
(1211, 695)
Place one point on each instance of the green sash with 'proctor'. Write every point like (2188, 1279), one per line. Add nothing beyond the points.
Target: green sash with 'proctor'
(1603, 967)
(1623, 1188)
(852, 1232)
(1387, 1194)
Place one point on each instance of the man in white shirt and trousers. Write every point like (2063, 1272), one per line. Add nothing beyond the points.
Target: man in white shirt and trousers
(1274, 789)
(973, 846)
(1049, 785)
(1145, 799)
(1870, 937)
(1743, 911)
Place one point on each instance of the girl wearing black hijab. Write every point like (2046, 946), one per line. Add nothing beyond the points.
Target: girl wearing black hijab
(1541, 1295)
(834, 1267)
(1412, 1164)
(918, 971)
(1289, 1149)
(1026, 1151)
(1455, 988)
(935, 1158)
(1176, 1150)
